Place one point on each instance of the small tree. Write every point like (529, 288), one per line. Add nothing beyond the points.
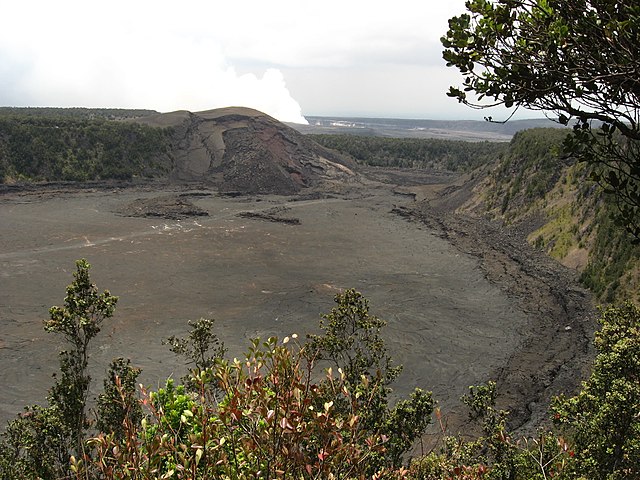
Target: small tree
(352, 342)
(40, 442)
(79, 321)
(604, 418)
(200, 348)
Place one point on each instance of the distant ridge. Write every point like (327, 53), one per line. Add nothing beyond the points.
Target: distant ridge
(79, 113)
(471, 130)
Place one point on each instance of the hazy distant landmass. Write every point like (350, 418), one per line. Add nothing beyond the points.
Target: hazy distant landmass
(471, 130)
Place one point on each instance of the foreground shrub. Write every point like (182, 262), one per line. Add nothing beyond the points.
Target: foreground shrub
(604, 418)
(272, 421)
(273, 414)
(351, 341)
(495, 454)
(40, 442)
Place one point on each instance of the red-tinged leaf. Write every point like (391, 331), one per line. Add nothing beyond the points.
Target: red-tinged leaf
(285, 424)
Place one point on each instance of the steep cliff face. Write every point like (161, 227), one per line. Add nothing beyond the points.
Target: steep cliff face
(243, 150)
(552, 201)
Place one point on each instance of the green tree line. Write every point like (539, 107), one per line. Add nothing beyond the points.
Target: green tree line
(452, 155)
(44, 148)
(75, 113)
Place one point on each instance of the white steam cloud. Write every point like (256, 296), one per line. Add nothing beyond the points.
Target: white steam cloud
(82, 57)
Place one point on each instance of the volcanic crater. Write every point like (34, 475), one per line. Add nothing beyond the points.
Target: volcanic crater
(465, 301)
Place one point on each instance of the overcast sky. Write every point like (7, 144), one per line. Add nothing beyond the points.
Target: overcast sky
(288, 58)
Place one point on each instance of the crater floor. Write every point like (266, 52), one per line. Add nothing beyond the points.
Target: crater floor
(447, 324)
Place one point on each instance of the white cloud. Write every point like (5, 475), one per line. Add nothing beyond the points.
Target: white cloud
(348, 57)
(76, 56)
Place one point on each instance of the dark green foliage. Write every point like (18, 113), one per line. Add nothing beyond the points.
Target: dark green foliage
(35, 445)
(352, 342)
(603, 418)
(453, 155)
(37, 148)
(612, 255)
(201, 348)
(497, 451)
(494, 454)
(529, 169)
(79, 321)
(570, 58)
(118, 402)
(41, 441)
(77, 113)
(405, 423)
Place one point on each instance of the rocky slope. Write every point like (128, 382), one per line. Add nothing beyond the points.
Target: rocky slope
(246, 151)
(552, 201)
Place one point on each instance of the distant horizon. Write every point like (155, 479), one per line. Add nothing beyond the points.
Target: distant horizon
(436, 118)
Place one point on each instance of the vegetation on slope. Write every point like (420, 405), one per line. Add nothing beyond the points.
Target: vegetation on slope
(63, 147)
(564, 212)
(272, 415)
(451, 155)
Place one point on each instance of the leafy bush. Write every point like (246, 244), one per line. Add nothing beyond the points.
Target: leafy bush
(493, 455)
(200, 348)
(352, 343)
(119, 400)
(273, 420)
(603, 418)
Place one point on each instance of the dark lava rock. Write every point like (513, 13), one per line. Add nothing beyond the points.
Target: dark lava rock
(248, 152)
(171, 207)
